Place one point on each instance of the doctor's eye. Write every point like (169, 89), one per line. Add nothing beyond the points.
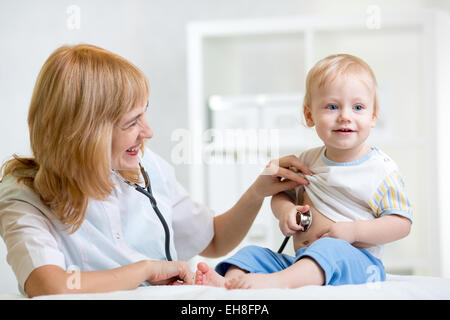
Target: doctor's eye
(134, 123)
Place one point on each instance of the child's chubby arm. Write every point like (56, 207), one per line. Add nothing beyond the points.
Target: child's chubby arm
(367, 233)
(285, 210)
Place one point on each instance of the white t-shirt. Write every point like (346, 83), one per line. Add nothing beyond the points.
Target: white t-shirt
(122, 230)
(361, 190)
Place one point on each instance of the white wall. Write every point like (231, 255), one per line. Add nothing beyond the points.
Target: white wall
(150, 33)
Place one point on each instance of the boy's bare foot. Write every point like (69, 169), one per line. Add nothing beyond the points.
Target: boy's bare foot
(254, 281)
(207, 276)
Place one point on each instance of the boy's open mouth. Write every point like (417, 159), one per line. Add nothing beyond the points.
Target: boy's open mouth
(344, 131)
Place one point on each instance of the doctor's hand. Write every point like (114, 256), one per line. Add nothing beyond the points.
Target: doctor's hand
(169, 272)
(277, 177)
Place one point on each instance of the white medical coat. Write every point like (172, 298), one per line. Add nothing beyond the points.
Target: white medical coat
(116, 232)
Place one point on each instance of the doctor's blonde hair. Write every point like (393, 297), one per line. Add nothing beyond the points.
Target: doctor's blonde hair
(80, 94)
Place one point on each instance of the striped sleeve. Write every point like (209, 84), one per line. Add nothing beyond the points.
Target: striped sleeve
(391, 198)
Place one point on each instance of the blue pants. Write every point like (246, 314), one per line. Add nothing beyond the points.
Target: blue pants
(341, 262)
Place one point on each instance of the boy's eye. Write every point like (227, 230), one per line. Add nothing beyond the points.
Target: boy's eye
(332, 107)
(358, 107)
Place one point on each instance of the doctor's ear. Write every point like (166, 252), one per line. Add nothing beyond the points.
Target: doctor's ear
(308, 116)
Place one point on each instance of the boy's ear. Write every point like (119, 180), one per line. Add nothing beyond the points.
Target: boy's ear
(374, 120)
(308, 116)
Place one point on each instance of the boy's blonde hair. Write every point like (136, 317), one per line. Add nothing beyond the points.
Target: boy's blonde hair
(80, 94)
(329, 68)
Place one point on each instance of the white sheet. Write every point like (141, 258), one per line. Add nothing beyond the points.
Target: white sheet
(396, 287)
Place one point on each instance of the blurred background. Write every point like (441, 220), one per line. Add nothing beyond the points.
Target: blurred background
(241, 64)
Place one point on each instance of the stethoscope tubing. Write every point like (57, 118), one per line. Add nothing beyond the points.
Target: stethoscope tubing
(283, 245)
(149, 194)
(152, 199)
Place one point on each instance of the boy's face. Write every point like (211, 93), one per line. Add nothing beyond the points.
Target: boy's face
(343, 112)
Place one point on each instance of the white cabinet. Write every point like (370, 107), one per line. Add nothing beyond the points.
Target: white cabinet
(249, 75)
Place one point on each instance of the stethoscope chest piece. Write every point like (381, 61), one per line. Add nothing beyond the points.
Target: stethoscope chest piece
(304, 219)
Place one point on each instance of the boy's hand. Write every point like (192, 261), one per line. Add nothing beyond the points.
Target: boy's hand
(288, 221)
(341, 230)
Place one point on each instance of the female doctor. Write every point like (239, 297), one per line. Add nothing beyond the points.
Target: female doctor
(72, 218)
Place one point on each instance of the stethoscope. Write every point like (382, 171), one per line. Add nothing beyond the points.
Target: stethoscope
(305, 220)
(147, 191)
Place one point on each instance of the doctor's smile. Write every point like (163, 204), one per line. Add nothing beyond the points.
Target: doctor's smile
(133, 150)
(129, 135)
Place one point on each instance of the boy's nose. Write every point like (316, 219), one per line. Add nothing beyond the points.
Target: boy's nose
(344, 115)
